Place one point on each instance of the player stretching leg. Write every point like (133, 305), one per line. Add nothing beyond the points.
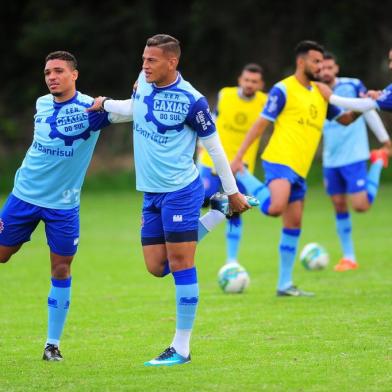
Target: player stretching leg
(345, 169)
(237, 109)
(48, 184)
(169, 115)
(298, 111)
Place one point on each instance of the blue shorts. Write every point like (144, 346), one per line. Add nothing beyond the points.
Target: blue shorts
(212, 182)
(18, 219)
(172, 216)
(275, 171)
(345, 179)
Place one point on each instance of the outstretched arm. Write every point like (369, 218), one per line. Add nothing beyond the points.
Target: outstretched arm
(119, 110)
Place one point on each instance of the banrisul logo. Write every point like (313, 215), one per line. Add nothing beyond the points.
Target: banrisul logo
(1, 226)
(168, 109)
(69, 122)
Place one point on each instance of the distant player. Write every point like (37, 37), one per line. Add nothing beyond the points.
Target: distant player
(298, 112)
(237, 109)
(48, 184)
(169, 115)
(345, 155)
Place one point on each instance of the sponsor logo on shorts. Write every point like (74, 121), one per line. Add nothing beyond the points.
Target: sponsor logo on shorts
(76, 241)
(361, 182)
(142, 221)
(177, 218)
(1, 226)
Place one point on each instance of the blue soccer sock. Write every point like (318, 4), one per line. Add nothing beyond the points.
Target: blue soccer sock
(256, 188)
(208, 221)
(287, 251)
(373, 179)
(58, 305)
(344, 229)
(233, 238)
(187, 298)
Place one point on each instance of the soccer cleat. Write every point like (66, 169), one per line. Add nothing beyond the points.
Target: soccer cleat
(345, 265)
(52, 353)
(168, 358)
(375, 155)
(220, 201)
(293, 291)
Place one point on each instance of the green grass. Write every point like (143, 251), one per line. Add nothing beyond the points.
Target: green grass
(120, 316)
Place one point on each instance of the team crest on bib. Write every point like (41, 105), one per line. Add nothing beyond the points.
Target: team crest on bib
(69, 122)
(1, 225)
(168, 109)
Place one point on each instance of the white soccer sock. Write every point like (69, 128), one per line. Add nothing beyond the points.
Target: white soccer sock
(211, 219)
(181, 341)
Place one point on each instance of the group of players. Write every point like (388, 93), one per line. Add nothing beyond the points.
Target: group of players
(168, 116)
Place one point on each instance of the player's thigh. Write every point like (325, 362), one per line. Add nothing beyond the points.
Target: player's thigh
(292, 215)
(155, 258)
(180, 217)
(18, 220)
(280, 189)
(62, 229)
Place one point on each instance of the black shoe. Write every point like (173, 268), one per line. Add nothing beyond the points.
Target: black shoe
(52, 353)
(294, 291)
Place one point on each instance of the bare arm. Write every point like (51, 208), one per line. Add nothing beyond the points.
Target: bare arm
(255, 132)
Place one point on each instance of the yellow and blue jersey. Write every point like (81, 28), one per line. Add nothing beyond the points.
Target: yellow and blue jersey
(298, 114)
(235, 116)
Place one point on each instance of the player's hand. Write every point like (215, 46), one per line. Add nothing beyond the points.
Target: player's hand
(237, 165)
(325, 91)
(387, 146)
(97, 105)
(238, 203)
(374, 94)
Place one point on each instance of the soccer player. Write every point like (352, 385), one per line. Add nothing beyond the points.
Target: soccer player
(237, 109)
(298, 111)
(345, 152)
(169, 115)
(48, 183)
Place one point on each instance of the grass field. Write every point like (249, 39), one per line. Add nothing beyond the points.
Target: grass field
(120, 316)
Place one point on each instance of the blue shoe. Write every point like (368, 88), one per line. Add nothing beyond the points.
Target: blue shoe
(220, 201)
(168, 358)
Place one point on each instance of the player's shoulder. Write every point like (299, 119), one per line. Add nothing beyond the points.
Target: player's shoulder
(84, 98)
(345, 79)
(44, 102)
(189, 89)
(228, 90)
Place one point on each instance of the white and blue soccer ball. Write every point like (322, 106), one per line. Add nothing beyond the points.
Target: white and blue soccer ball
(314, 257)
(233, 278)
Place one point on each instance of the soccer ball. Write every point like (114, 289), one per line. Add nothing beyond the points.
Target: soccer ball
(233, 278)
(314, 257)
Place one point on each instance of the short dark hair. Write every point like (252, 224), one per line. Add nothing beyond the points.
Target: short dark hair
(253, 67)
(166, 42)
(329, 56)
(63, 55)
(304, 47)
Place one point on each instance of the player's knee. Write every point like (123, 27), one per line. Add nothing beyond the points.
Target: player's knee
(155, 271)
(275, 210)
(361, 207)
(61, 271)
(4, 258)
